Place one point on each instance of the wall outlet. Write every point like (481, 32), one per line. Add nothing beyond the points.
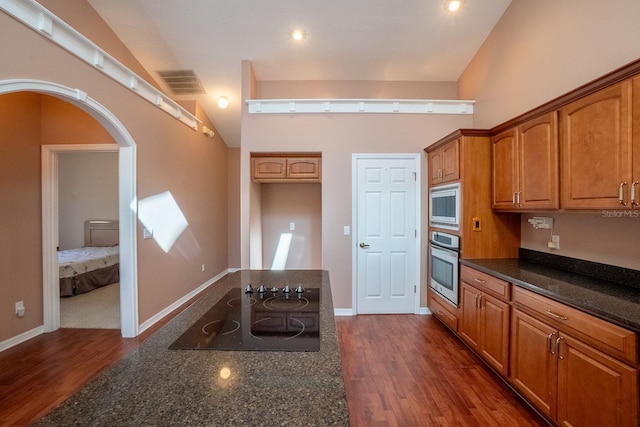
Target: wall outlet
(203, 268)
(346, 230)
(20, 308)
(555, 242)
(292, 226)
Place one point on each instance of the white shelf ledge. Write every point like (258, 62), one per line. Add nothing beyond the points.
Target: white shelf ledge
(48, 25)
(324, 106)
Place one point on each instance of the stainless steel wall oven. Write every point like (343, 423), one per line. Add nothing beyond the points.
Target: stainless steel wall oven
(443, 265)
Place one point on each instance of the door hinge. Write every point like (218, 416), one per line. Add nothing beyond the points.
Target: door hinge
(415, 176)
(415, 233)
(415, 289)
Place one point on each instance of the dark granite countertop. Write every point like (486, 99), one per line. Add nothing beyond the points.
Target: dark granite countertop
(607, 300)
(155, 386)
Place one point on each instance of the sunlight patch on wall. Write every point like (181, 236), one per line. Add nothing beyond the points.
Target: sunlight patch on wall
(161, 215)
(282, 252)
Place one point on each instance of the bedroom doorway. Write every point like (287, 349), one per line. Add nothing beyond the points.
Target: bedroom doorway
(88, 232)
(126, 202)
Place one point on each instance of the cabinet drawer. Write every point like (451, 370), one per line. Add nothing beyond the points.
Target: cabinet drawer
(610, 338)
(443, 315)
(485, 282)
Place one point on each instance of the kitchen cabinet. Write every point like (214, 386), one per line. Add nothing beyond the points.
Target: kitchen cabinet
(576, 369)
(444, 163)
(484, 322)
(483, 232)
(266, 168)
(525, 166)
(443, 310)
(597, 149)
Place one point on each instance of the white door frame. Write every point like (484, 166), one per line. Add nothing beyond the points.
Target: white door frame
(354, 221)
(127, 205)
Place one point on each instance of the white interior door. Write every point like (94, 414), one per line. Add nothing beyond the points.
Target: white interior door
(386, 234)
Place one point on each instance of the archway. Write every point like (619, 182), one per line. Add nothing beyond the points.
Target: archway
(127, 205)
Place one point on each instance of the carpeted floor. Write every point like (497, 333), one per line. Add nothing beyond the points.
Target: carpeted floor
(99, 309)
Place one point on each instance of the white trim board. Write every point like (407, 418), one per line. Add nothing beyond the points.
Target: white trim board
(48, 25)
(324, 106)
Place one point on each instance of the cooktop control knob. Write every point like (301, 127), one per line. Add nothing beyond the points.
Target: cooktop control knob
(286, 289)
(274, 289)
(262, 289)
(249, 288)
(299, 289)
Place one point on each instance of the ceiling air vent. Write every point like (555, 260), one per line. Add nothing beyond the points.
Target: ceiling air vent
(182, 82)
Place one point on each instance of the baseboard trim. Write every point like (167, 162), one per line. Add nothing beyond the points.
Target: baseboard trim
(19, 339)
(162, 314)
(350, 312)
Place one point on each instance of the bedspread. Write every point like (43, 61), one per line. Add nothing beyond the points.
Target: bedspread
(73, 262)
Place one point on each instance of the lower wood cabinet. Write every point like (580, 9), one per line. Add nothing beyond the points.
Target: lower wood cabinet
(568, 380)
(484, 325)
(575, 368)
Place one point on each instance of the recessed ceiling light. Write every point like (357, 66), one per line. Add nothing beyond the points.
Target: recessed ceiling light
(452, 5)
(298, 35)
(223, 102)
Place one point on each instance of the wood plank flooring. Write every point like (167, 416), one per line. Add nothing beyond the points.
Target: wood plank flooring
(399, 370)
(408, 370)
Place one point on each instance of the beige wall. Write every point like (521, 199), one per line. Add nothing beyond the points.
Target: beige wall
(170, 157)
(337, 137)
(538, 51)
(87, 190)
(300, 204)
(233, 164)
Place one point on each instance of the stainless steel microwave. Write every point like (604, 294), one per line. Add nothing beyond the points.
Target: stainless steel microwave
(444, 206)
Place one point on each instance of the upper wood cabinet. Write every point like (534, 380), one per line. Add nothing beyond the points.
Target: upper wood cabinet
(525, 166)
(267, 169)
(597, 149)
(444, 163)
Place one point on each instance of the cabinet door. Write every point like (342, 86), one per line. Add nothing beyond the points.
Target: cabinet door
(596, 149)
(303, 168)
(444, 163)
(435, 167)
(504, 169)
(635, 178)
(538, 163)
(533, 369)
(269, 168)
(494, 332)
(593, 388)
(469, 328)
(451, 161)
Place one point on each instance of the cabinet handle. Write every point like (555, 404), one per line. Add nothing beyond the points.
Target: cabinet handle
(556, 316)
(633, 194)
(559, 347)
(550, 341)
(480, 302)
(477, 280)
(621, 194)
(518, 198)
(513, 199)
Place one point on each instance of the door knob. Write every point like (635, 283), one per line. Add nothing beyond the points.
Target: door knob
(364, 245)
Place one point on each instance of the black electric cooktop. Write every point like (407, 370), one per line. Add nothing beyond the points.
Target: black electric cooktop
(261, 319)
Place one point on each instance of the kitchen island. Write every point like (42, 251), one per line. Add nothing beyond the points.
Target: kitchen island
(154, 385)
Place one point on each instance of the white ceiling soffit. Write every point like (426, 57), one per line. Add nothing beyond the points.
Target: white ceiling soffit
(386, 40)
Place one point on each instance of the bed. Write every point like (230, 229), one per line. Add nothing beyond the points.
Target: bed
(94, 265)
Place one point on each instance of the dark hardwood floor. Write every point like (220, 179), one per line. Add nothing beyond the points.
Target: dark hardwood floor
(409, 370)
(399, 370)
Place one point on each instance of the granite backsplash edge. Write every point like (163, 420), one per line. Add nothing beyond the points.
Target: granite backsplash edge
(611, 273)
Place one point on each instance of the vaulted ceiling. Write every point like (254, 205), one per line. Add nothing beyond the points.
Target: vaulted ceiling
(389, 40)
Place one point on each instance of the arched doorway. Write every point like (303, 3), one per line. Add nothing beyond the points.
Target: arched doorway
(126, 202)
